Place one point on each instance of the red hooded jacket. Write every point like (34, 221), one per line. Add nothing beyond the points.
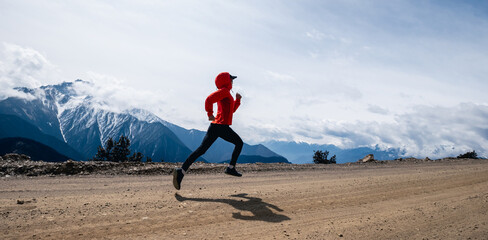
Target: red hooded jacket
(225, 102)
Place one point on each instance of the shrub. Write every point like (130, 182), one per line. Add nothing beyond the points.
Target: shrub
(320, 157)
(472, 155)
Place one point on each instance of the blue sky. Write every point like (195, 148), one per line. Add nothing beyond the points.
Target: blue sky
(408, 74)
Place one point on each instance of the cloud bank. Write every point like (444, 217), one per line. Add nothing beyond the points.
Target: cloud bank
(24, 67)
(431, 131)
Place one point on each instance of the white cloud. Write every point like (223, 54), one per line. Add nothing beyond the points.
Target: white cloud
(114, 94)
(24, 67)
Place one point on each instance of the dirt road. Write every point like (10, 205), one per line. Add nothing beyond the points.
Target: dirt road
(405, 201)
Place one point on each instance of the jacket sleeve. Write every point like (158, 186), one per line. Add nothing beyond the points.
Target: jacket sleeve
(237, 103)
(213, 98)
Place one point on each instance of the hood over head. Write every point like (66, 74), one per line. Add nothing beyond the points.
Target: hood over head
(223, 80)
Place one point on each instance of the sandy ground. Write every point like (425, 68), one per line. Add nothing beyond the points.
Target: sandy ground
(405, 201)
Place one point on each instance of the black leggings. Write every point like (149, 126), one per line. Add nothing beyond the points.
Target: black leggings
(215, 131)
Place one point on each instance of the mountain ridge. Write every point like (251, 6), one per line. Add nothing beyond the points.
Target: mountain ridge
(85, 123)
(35, 150)
(13, 126)
(301, 152)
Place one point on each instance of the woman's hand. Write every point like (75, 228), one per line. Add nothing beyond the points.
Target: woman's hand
(211, 118)
(238, 96)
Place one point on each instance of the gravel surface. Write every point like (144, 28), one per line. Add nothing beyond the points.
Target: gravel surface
(408, 199)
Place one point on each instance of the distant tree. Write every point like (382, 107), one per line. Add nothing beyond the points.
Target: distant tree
(320, 157)
(109, 147)
(333, 160)
(121, 149)
(101, 154)
(472, 155)
(117, 151)
(105, 154)
(148, 159)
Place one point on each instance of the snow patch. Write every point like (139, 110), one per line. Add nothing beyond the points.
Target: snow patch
(143, 115)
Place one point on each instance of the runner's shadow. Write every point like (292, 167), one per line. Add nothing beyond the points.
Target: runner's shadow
(261, 211)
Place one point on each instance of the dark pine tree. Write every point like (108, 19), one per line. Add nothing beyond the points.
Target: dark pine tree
(320, 157)
(121, 150)
(117, 151)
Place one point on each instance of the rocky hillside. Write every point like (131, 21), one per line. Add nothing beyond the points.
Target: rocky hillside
(12, 165)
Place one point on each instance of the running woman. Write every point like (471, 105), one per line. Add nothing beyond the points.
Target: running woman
(220, 127)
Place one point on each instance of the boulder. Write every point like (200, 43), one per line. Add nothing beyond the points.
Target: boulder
(368, 158)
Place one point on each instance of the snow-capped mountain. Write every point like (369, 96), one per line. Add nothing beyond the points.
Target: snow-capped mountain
(84, 123)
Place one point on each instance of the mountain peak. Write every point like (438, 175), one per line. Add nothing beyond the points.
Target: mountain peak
(143, 115)
(24, 90)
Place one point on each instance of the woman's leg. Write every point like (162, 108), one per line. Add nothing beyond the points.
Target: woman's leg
(208, 140)
(230, 136)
